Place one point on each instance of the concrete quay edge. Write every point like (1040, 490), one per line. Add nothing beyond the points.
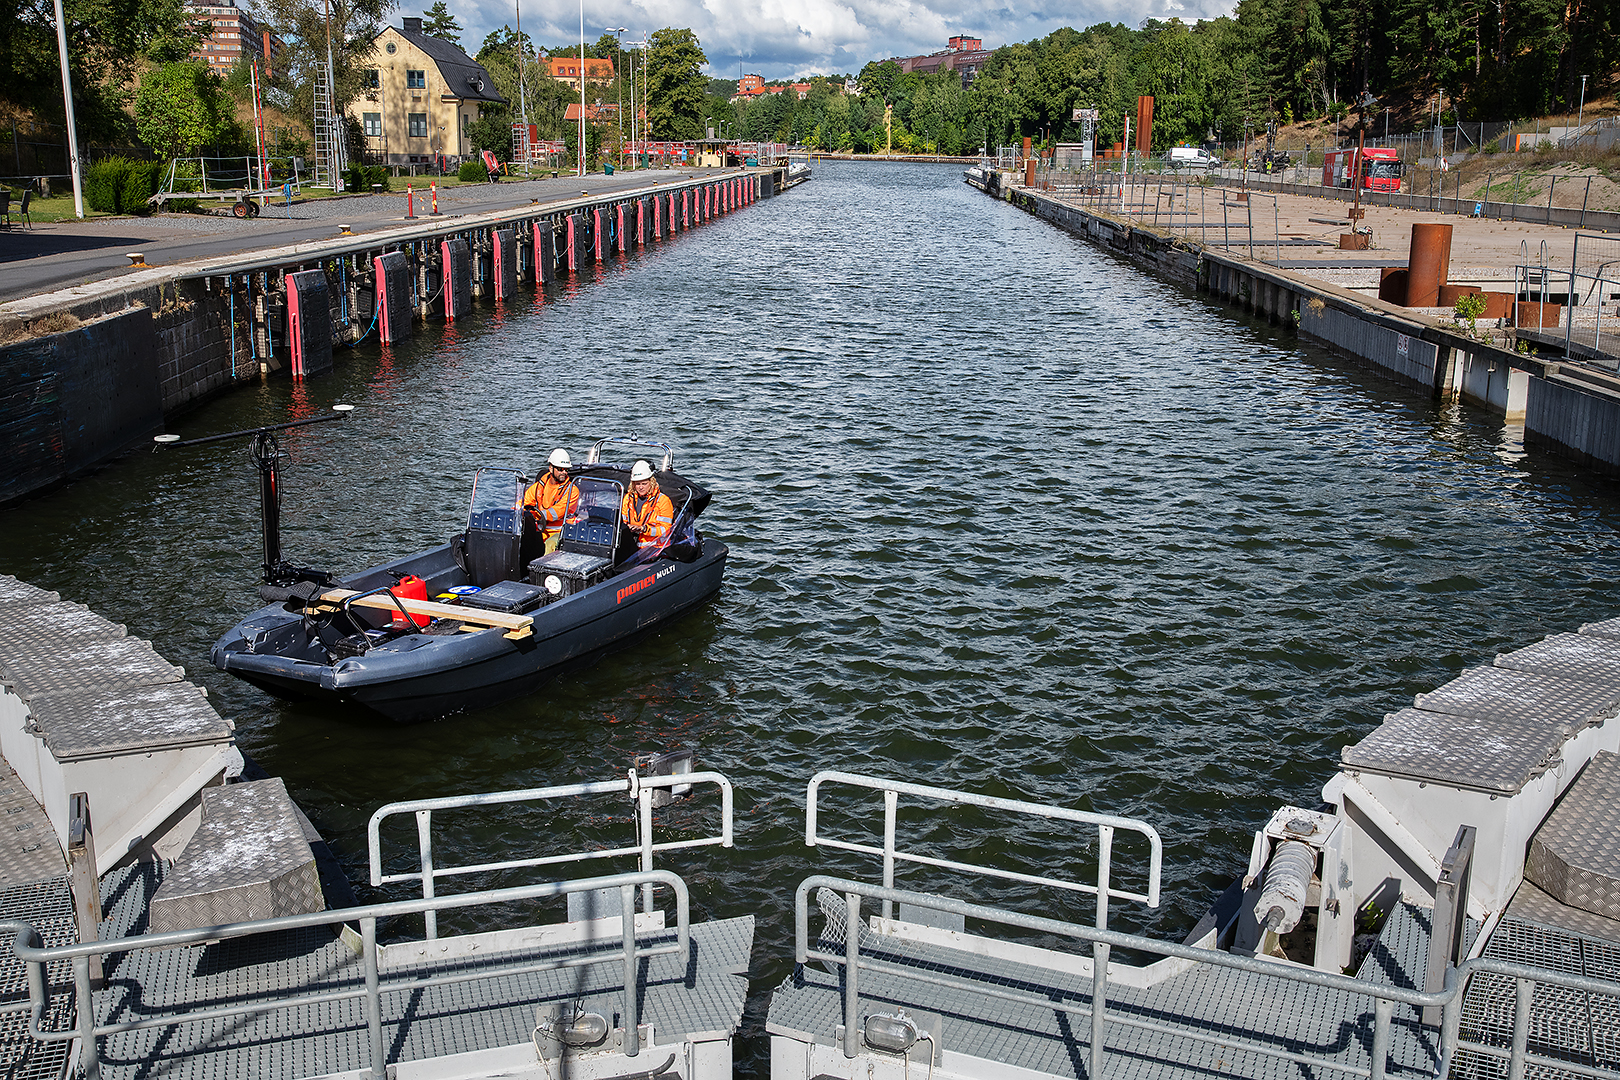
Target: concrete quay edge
(101, 298)
(1569, 409)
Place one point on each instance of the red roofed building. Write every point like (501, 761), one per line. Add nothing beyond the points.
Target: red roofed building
(565, 69)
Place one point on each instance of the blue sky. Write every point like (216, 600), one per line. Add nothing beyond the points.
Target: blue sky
(782, 39)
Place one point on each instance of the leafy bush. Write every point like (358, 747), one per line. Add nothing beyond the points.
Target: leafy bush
(1470, 306)
(361, 177)
(472, 171)
(1493, 147)
(104, 183)
(141, 181)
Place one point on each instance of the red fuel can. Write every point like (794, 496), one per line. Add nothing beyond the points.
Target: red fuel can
(410, 587)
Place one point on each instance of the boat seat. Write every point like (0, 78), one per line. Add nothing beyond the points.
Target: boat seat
(588, 537)
(490, 556)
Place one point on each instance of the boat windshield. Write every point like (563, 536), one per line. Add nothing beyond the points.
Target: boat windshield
(496, 498)
(599, 500)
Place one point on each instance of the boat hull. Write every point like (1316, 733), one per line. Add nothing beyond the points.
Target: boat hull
(416, 677)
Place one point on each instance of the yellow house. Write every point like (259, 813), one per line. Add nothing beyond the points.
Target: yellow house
(420, 93)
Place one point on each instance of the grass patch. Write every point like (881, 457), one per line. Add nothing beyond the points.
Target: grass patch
(57, 322)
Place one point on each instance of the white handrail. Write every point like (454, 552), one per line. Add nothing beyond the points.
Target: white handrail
(639, 788)
(892, 789)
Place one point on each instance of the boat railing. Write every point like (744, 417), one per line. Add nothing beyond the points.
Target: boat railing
(1384, 996)
(1106, 825)
(594, 456)
(644, 791)
(28, 948)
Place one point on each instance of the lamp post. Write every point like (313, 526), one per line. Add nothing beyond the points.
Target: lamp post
(1581, 115)
(581, 154)
(67, 98)
(523, 96)
(616, 31)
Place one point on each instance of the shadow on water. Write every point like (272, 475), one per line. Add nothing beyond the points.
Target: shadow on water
(1004, 514)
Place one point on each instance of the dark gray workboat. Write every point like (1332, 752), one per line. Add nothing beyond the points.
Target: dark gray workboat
(479, 620)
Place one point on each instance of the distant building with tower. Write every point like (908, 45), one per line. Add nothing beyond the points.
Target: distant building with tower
(963, 54)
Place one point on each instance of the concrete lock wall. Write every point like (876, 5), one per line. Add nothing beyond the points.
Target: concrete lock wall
(187, 333)
(71, 399)
(1572, 412)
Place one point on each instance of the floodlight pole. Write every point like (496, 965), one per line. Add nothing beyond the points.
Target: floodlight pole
(67, 102)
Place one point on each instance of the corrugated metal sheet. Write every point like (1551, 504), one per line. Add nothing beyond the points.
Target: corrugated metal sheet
(1402, 355)
(1574, 416)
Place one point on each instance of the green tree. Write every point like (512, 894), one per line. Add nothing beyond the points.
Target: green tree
(438, 22)
(676, 88)
(182, 107)
(303, 25)
(109, 43)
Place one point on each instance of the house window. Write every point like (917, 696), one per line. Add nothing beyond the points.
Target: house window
(372, 81)
(415, 80)
(373, 122)
(418, 124)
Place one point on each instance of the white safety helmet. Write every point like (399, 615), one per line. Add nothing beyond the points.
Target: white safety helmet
(642, 471)
(560, 458)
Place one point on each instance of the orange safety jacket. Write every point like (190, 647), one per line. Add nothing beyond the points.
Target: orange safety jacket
(651, 519)
(551, 502)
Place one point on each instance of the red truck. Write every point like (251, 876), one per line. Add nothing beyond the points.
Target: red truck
(1379, 168)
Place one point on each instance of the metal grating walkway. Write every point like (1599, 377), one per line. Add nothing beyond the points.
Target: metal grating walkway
(705, 995)
(1566, 1025)
(1280, 1015)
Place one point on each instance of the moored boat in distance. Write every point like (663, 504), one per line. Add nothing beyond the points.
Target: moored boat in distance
(478, 620)
(797, 173)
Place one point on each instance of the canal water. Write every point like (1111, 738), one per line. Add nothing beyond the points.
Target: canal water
(1004, 514)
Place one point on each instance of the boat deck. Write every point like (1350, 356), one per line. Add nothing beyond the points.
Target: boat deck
(1287, 1017)
(495, 1009)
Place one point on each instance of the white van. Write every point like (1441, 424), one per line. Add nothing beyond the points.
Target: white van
(1191, 157)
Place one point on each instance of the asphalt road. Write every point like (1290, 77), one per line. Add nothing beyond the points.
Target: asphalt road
(54, 256)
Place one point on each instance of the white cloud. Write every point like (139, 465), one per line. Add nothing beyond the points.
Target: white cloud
(788, 38)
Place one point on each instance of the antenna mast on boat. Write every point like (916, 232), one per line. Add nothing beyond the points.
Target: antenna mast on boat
(266, 455)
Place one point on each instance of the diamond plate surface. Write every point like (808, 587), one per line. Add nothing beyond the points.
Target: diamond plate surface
(1575, 854)
(107, 662)
(28, 848)
(120, 719)
(248, 860)
(1497, 754)
(15, 591)
(1567, 656)
(30, 629)
(1608, 628)
(1493, 691)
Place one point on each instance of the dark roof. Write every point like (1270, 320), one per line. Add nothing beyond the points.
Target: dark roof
(455, 66)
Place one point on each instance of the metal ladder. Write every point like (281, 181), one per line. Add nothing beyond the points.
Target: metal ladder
(329, 155)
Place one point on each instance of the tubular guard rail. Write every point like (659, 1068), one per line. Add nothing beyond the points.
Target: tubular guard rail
(1384, 996)
(1106, 825)
(28, 949)
(639, 788)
